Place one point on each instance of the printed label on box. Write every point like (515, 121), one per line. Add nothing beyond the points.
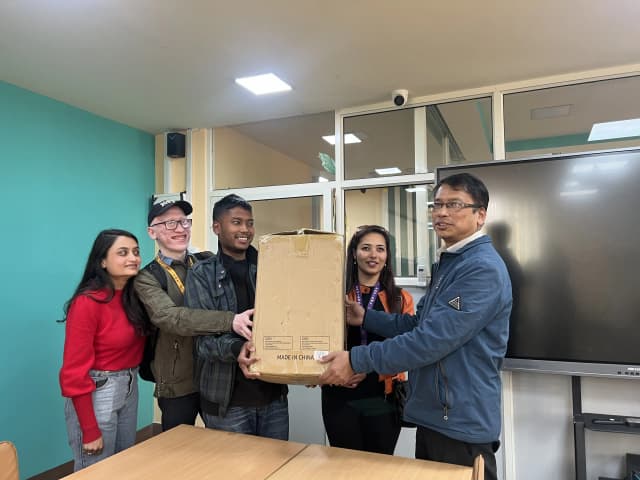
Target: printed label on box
(318, 354)
(314, 343)
(272, 342)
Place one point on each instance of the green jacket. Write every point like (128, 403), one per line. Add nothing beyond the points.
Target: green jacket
(173, 362)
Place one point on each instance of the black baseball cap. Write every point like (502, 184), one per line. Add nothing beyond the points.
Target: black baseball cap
(162, 206)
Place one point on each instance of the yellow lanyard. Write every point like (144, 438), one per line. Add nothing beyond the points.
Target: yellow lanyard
(173, 273)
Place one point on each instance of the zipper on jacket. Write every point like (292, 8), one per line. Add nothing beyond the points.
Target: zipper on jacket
(445, 405)
(176, 356)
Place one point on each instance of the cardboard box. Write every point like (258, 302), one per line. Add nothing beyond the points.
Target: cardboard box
(299, 304)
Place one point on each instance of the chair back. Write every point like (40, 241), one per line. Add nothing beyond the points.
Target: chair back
(8, 462)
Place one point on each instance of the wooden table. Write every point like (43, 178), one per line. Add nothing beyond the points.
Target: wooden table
(317, 462)
(193, 453)
(187, 452)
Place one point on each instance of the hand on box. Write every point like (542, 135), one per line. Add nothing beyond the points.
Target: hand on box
(242, 323)
(338, 371)
(354, 313)
(245, 360)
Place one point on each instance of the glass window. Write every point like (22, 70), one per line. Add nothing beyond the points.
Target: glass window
(598, 115)
(283, 151)
(384, 141)
(280, 215)
(459, 132)
(387, 144)
(403, 211)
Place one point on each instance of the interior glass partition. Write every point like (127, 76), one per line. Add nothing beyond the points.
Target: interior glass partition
(403, 211)
(380, 144)
(602, 115)
(282, 151)
(459, 132)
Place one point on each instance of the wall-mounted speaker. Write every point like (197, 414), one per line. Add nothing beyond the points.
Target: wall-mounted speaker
(175, 145)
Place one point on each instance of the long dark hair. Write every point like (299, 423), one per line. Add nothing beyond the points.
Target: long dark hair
(97, 278)
(387, 280)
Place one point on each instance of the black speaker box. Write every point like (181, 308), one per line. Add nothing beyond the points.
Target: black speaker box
(175, 145)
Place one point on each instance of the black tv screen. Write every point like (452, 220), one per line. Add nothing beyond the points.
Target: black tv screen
(568, 228)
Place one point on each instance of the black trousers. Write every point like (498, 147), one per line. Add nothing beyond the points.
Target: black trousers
(431, 445)
(348, 428)
(179, 410)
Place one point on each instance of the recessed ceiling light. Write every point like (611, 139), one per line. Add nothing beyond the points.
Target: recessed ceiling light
(387, 171)
(348, 138)
(618, 129)
(416, 189)
(550, 112)
(262, 84)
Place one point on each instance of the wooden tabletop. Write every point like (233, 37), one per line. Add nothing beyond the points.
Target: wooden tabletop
(193, 453)
(317, 462)
(187, 452)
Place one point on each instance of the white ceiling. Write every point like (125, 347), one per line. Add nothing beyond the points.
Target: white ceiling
(160, 65)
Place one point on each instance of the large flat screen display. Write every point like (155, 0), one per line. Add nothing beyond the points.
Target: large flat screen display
(568, 229)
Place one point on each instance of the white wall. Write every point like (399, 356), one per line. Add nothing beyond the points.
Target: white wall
(544, 430)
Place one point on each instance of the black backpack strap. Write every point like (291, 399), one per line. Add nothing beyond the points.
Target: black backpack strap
(159, 274)
(152, 339)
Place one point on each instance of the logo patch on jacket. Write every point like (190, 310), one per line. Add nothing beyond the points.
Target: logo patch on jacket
(455, 303)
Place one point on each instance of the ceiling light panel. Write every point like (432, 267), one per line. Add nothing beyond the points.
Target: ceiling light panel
(263, 84)
(619, 129)
(348, 138)
(388, 171)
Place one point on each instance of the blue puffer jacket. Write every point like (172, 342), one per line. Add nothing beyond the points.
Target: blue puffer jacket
(453, 347)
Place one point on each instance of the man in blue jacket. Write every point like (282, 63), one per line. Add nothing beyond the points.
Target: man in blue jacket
(455, 344)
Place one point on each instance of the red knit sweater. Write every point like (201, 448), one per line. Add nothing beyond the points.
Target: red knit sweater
(98, 336)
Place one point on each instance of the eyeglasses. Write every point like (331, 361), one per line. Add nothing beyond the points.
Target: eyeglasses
(173, 224)
(454, 205)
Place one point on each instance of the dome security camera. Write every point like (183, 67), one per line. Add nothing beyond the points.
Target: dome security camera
(400, 97)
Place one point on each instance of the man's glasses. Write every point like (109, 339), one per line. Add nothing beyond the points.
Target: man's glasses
(454, 205)
(173, 224)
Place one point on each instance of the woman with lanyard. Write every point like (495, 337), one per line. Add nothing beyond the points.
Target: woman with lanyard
(105, 335)
(360, 415)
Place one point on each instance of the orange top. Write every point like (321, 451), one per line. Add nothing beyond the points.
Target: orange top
(407, 307)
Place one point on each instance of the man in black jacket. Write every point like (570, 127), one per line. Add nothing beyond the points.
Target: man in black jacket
(232, 401)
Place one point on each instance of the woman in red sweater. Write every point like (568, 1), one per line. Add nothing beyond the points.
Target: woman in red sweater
(362, 415)
(104, 341)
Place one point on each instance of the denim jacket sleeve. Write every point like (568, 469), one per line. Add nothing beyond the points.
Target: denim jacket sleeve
(389, 325)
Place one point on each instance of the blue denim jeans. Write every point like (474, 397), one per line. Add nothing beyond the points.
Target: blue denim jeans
(270, 421)
(115, 404)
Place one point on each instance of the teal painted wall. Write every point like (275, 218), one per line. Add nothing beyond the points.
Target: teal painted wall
(65, 174)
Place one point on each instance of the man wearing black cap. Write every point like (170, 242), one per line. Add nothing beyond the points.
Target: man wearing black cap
(160, 286)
